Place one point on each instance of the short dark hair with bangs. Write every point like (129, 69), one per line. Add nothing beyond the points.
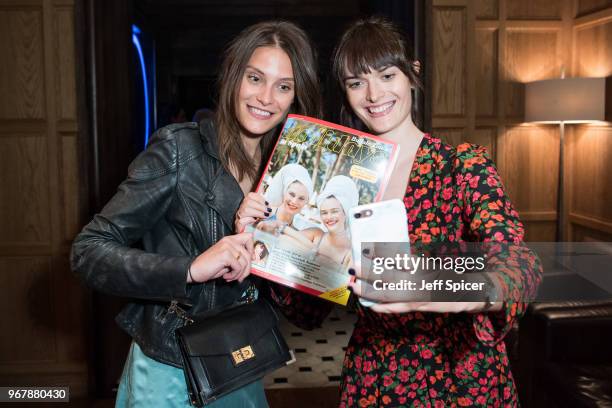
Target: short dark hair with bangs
(373, 43)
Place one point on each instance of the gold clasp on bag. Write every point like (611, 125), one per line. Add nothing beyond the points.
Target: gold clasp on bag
(242, 355)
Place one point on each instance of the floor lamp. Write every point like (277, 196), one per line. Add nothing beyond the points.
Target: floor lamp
(565, 101)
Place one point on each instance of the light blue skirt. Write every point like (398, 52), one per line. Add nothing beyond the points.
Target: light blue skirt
(148, 383)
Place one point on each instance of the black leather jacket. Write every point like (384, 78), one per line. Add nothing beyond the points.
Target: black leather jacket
(180, 201)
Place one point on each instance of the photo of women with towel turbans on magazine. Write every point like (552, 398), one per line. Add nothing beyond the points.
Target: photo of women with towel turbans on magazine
(318, 171)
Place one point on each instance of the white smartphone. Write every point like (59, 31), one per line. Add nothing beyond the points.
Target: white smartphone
(384, 221)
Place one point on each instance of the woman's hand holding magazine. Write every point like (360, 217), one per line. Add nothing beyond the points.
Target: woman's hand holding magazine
(253, 208)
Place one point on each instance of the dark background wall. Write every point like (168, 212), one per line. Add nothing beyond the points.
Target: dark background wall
(190, 37)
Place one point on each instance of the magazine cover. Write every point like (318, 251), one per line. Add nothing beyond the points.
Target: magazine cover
(316, 173)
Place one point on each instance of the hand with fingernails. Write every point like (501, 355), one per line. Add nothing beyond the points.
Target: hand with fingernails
(398, 302)
(401, 301)
(229, 258)
(253, 208)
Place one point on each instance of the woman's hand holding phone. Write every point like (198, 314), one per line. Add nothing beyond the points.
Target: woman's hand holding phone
(370, 284)
(372, 226)
(405, 301)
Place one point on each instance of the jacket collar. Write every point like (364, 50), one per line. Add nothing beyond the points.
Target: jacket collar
(208, 133)
(224, 195)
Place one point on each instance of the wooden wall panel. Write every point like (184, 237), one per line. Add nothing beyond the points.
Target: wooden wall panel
(531, 55)
(509, 43)
(65, 67)
(533, 9)
(22, 70)
(591, 189)
(585, 234)
(71, 324)
(28, 333)
(589, 182)
(449, 43)
(589, 6)
(593, 56)
(486, 137)
(44, 331)
(24, 190)
(482, 136)
(528, 163)
(486, 72)
(539, 231)
(486, 9)
(451, 136)
(70, 196)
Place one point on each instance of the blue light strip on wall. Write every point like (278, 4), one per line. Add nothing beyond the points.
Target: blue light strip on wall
(136, 41)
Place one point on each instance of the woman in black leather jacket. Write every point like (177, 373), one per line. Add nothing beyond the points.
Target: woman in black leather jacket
(180, 199)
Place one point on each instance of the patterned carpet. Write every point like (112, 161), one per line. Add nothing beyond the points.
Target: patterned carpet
(319, 353)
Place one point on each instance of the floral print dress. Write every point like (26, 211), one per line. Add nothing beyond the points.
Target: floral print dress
(445, 359)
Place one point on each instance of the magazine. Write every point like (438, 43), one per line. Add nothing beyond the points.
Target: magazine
(316, 173)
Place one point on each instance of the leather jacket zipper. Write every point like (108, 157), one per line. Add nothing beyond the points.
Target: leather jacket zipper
(215, 238)
(180, 312)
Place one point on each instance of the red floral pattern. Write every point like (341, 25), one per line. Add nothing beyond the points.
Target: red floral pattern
(442, 359)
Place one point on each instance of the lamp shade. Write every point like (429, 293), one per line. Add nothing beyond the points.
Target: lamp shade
(574, 100)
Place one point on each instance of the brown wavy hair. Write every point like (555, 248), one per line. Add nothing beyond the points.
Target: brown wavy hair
(294, 41)
(373, 43)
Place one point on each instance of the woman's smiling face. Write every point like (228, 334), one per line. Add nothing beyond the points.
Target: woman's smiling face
(382, 98)
(266, 92)
(295, 198)
(332, 215)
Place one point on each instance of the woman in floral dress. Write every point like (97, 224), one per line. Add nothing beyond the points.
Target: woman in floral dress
(430, 353)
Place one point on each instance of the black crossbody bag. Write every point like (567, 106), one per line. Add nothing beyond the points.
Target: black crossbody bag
(226, 350)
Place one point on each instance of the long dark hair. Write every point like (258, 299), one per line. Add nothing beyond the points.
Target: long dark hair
(294, 41)
(373, 43)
